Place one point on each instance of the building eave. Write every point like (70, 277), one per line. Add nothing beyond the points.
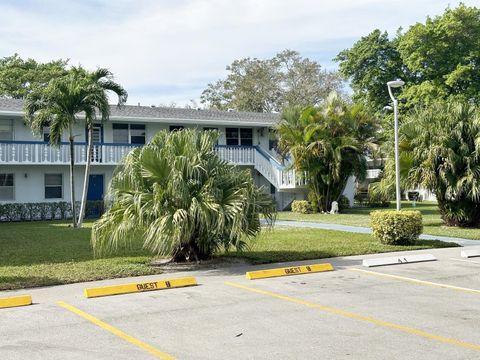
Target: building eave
(191, 121)
(166, 120)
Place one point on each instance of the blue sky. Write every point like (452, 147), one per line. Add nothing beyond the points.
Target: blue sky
(165, 51)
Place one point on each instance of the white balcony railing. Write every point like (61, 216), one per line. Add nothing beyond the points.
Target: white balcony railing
(280, 176)
(373, 173)
(41, 153)
(238, 155)
(32, 152)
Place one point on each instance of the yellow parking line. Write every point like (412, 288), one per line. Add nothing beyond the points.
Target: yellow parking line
(359, 317)
(417, 281)
(157, 353)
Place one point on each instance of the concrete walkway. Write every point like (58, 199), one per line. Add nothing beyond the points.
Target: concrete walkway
(366, 230)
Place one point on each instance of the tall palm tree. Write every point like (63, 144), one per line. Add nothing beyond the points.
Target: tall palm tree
(181, 199)
(329, 143)
(96, 85)
(58, 105)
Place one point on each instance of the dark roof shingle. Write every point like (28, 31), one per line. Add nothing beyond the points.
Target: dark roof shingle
(167, 113)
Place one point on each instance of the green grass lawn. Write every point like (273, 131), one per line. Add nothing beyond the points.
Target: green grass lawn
(361, 217)
(49, 253)
(289, 244)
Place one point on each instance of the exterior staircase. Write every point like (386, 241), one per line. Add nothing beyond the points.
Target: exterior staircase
(283, 178)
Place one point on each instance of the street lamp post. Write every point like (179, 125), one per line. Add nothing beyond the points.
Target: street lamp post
(395, 84)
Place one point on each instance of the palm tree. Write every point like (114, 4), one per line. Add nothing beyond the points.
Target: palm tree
(96, 85)
(440, 151)
(329, 143)
(177, 195)
(58, 105)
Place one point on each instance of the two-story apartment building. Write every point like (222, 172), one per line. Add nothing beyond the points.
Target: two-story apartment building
(31, 170)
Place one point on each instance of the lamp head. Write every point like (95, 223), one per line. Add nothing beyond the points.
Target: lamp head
(395, 83)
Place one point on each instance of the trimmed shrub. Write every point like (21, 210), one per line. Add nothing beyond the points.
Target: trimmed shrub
(46, 210)
(396, 227)
(301, 207)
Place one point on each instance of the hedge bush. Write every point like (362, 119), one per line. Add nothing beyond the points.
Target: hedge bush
(301, 206)
(46, 210)
(396, 227)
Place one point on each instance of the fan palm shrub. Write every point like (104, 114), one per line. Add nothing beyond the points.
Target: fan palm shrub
(181, 200)
(440, 149)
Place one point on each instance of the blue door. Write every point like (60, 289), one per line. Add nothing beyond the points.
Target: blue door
(95, 187)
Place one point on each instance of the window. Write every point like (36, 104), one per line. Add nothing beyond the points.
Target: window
(46, 133)
(176, 127)
(128, 133)
(137, 134)
(53, 186)
(242, 136)
(120, 133)
(6, 129)
(246, 137)
(272, 141)
(7, 189)
(231, 135)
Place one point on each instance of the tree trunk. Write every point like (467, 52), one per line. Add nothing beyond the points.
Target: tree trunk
(188, 253)
(86, 178)
(327, 199)
(72, 181)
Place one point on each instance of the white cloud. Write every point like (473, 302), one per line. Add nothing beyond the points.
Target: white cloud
(163, 51)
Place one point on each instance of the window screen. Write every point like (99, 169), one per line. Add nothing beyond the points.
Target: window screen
(120, 133)
(231, 135)
(53, 186)
(7, 189)
(137, 134)
(6, 129)
(246, 137)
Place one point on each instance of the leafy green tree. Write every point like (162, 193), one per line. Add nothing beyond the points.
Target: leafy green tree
(440, 152)
(269, 85)
(59, 103)
(369, 64)
(18, 77)
(438, 59)
(95, 86)
(181, 199)
(329, 143)
(443, 54)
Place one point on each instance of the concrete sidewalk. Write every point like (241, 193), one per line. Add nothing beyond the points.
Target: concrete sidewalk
(366, 230)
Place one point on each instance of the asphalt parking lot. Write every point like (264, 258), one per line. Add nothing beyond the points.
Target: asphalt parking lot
(411, 311)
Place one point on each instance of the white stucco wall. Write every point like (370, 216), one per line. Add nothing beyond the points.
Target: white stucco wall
(29, 180)
(23, 133)
(349, 191)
